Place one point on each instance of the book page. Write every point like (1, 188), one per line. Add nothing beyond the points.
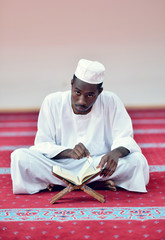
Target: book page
(88, 169)
(66, 174)
(92, 170)
(84, 168)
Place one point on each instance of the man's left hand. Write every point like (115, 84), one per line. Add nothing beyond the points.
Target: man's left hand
(110, 161)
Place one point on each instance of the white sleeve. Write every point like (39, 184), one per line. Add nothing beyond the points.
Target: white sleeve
(45, 140)
(122, 130)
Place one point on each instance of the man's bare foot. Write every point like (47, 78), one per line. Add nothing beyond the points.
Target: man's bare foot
(108, 185)
(53, 187)
(50, 187)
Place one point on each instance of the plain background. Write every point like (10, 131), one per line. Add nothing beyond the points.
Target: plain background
(41, 42)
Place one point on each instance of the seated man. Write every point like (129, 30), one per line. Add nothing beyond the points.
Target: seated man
(75, 124)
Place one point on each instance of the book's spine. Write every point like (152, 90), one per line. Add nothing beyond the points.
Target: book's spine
(78, 182)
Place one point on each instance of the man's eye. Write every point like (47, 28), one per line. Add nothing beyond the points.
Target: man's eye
(90, 95)
(77, 93)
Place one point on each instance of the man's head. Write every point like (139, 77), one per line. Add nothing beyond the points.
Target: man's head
(86, 85)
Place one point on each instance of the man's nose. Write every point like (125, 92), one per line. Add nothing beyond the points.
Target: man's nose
(82, 100)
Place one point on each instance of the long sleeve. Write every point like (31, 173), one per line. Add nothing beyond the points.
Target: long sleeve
(45, 140)
(122, 131)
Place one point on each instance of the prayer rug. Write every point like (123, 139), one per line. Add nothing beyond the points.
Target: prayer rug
(77, 215)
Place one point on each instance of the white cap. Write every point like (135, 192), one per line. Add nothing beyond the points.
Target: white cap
(90, 71)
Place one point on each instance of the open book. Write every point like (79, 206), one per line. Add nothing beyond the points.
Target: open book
(87, 171)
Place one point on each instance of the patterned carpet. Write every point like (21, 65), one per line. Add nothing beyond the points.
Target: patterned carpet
(77, 215)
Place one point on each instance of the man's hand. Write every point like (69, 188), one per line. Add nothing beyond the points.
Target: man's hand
(78, 152)
(110, 161)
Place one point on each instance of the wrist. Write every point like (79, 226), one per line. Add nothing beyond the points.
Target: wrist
(121, 151)
(64, 154)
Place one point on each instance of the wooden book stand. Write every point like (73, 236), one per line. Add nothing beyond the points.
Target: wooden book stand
(70, 187)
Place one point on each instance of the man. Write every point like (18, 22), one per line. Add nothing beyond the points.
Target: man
(75, 124)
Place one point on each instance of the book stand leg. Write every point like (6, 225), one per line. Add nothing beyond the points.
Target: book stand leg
(70, 187)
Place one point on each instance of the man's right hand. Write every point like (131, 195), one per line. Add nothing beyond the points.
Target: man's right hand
(78, 152)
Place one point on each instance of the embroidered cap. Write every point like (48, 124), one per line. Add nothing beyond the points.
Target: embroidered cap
(90, 71)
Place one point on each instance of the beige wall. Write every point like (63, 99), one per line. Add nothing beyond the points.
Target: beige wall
(42, 40)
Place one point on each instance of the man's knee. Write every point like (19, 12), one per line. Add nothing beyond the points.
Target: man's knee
(19, 156)
(138, 159)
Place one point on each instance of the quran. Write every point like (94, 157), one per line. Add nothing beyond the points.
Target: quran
(87, 171)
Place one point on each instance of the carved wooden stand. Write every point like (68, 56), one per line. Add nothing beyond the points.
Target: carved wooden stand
(72, 187)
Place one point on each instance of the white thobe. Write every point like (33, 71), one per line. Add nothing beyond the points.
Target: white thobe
(106, 127)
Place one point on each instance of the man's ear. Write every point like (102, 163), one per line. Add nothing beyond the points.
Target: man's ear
(72, 82)
(100, 90)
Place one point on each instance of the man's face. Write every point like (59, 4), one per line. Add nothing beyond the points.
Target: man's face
(83, 96)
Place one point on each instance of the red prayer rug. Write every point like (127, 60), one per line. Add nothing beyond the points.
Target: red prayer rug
(77, 215)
